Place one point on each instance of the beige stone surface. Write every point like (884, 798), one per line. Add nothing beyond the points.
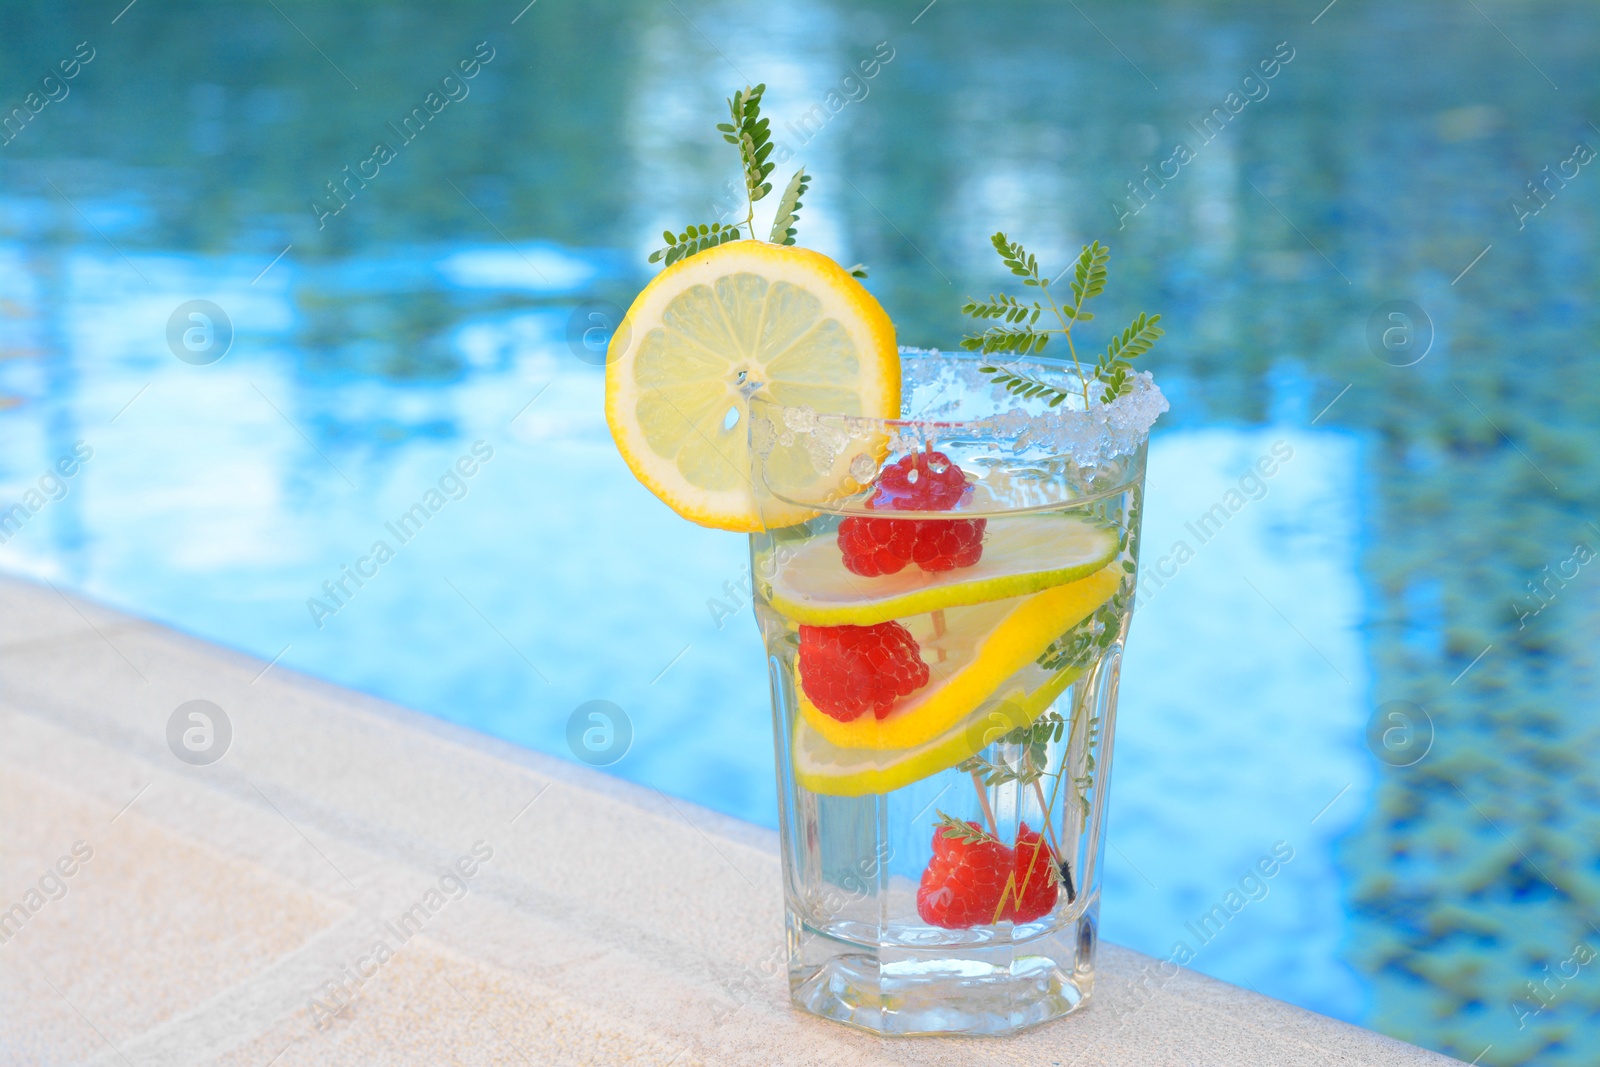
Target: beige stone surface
(609, 924)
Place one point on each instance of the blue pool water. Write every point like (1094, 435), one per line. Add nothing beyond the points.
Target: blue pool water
(433, 320)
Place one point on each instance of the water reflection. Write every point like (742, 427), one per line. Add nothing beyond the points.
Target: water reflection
(1244, 696)
(370, 354)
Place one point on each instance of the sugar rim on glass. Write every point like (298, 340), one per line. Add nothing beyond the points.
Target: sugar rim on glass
(1101, 433)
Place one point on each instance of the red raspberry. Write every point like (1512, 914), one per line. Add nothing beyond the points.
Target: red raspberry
(876, 546)
(962, 884)
(945, 544)
(1033, 892)
(847, 670)
(921, 481)
(974, 880)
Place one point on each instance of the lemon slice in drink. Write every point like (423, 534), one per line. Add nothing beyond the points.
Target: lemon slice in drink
(974, 653)
(824, 767)
(743, 319)
(1020, 555)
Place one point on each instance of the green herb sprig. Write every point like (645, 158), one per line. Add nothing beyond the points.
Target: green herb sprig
(694, 239)
(1017, 331)
(1035, 740)
(788, 207)
(1085, 782)
(751, 134)
(957, 830)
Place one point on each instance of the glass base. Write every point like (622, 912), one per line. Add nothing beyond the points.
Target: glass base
(980, 990)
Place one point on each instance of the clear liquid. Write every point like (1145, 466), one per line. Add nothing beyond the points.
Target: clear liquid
(862, 950)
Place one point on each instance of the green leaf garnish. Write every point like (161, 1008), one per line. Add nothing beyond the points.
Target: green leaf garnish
(751, 135)
(788, 206)
(1004, 307)
(1025, 385)
(1112, 368)
(1017, 332)
(957, 830)
(749, 132)
(1032, 760)
(694, 239)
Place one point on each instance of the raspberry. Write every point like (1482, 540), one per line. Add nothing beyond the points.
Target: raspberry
(974, 880)
(1033, 893)
(848, 670)
(922, 481)
(962, 884)
(876, 546)
(945, 544)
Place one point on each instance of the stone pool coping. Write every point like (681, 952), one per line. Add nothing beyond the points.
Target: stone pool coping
(222, 906)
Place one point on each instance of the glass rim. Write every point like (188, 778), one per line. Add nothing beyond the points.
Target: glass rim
(1098, 433)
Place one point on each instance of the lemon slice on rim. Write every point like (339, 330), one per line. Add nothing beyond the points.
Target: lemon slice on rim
(1020, 555)
(980, 647)
(743, 319)
(823, 767)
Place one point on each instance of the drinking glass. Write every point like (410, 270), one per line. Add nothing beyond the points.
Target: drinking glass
(942, 852)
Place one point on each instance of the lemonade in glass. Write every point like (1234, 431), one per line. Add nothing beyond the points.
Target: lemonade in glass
(944, 632)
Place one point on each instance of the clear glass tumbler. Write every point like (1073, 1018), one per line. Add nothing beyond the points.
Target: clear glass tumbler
(944, 600)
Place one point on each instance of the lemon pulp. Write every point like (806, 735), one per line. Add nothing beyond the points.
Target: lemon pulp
(743, 319)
